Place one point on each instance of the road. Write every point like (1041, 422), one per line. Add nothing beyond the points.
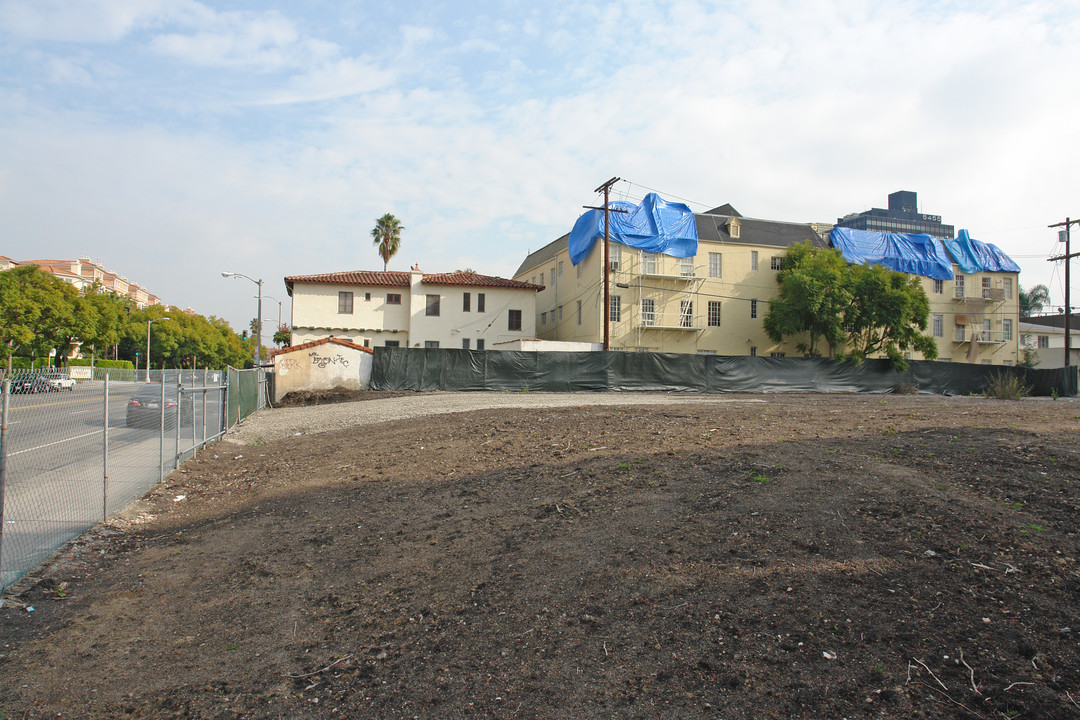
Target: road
(56, 485)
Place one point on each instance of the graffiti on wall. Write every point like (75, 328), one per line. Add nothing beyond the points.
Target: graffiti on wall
(322, 361)
(287, 364)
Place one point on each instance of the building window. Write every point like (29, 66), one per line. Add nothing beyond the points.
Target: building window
(1007, 330)
(464, 343)
(393, 299)
(552, 276)
(648, 260)
(560, 268)
(648, 312)
(543, 318)
(514, 322)
(938, 326)
(367, 297)
(344, 303)
(479, 302)
(1006, 285)
(367, 343)
(1043, 342)
(959, 293)
(432, 309)
(579, 310)
(777, 262)
(392, 343)
(753, 351)
(777, 354)
(614, 256)
(541, 278)
(958, 334)
(734, 229)
(686, 267)
(560, 313)
(716, 265)
(753, 309)
(986, 288)
(615, 309)
(753, 259)
(686, 313)
(939, 287)
(431, 344)
(466, 302)
(714, 313)
(479, 343)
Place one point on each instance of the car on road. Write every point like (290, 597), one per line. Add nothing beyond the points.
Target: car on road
(29, 383)
(144, 410)
(60, 381)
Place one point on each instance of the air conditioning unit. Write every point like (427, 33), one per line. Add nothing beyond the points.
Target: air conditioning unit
(613, 265)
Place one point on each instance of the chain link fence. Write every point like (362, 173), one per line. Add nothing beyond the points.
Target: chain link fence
(73, 454)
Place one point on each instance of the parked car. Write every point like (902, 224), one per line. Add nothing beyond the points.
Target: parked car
(144, 409)
(60, 381)
(29, 384)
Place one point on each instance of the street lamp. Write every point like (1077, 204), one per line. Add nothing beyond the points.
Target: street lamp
(258, 317)
(148, 324)
(278, 308)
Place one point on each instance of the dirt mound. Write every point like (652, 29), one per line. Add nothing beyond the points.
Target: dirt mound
(302, 398)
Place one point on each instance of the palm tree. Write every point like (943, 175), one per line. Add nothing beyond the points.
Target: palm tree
(387, 237)
(1033, 301)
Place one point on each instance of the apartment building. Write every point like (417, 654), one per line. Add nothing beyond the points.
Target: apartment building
(715, 302)
(412, 309)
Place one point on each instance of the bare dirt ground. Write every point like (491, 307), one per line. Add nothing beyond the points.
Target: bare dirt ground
(770, 557)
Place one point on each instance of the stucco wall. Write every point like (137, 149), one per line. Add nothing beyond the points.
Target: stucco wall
(322, 367)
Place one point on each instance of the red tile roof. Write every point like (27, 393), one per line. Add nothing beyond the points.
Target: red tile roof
(476, 280)
(394, 278)
(322, 341)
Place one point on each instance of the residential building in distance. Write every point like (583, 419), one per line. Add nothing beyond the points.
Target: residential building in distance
(83, 273)
(411, 309)
(902, 216)
(716, 301)
(1045, 334)
(713, 303)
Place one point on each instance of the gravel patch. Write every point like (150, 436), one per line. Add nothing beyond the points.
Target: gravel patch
(271, 424)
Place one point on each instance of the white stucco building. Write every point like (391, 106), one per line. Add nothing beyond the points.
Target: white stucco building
(412, 309)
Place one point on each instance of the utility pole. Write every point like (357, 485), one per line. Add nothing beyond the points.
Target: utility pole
(606, 310)
(1068, 307)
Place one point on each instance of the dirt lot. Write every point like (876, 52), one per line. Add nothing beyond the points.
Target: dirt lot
(767, 557)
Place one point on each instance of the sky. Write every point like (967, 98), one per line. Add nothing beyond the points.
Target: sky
(172, 140)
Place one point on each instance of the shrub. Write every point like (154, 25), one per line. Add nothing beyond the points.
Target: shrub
(1003, 386)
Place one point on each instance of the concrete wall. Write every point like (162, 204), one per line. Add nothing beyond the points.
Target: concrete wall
(321, 367)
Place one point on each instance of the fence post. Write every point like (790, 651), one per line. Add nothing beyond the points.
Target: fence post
(105, 458)
(204, 406)
(3, 459)
(161, 434)
(179, 417)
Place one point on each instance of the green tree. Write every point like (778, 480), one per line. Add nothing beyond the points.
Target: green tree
(109, 320)
(283, 336)
(37, 311)
(812, 299)
(887, 314)
(1033, 300)
(387, 237)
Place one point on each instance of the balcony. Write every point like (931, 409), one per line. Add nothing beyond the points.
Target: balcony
(667, 321)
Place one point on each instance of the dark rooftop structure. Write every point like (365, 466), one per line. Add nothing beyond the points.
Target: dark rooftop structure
(902, 216)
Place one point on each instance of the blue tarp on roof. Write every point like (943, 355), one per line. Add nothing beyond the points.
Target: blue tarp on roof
(977, 256)
(918, 254)
(655, 226)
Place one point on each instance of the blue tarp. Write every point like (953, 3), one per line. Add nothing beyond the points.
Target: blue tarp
(918, 254)
(655, 226)
(977, 256)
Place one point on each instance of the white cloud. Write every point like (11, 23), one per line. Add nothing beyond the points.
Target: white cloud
(88, 21)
